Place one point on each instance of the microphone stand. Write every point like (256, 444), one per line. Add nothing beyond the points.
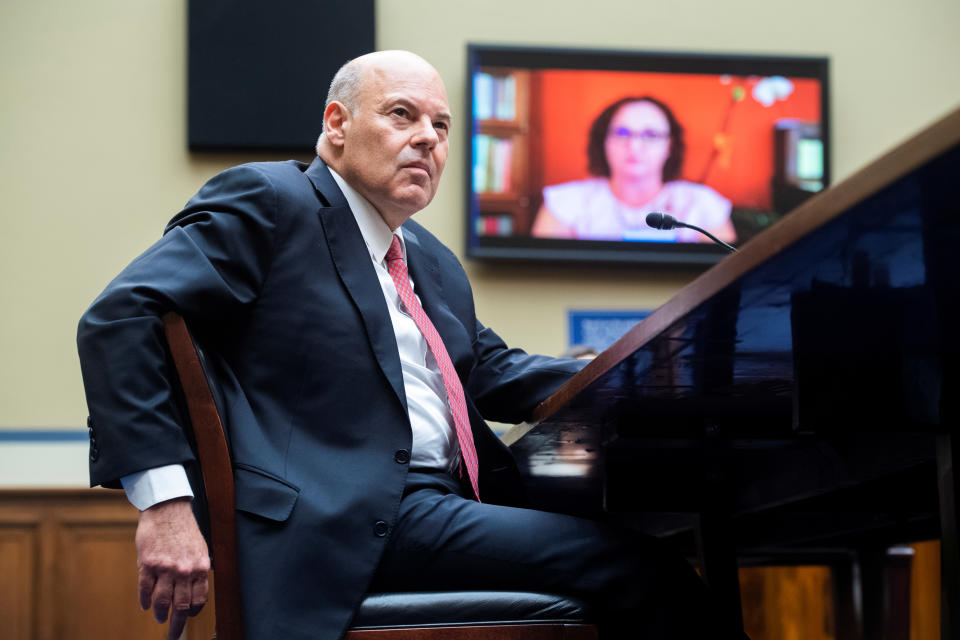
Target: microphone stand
(708, 234)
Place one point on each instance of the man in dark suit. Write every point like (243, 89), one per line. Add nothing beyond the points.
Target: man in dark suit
(356, 379)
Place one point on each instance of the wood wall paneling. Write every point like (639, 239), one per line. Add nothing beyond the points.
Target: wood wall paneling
(18, 584)
(96, 582)
(787, 603)
(925, 591)
(68, 570)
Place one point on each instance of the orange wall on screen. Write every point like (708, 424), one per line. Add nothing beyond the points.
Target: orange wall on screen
(568, 101)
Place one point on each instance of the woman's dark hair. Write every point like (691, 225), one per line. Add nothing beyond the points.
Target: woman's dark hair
(596, 152)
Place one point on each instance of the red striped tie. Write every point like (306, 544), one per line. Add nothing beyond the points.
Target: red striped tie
(458, 406)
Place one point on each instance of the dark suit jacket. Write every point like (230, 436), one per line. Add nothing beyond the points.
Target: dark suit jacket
(268, 266)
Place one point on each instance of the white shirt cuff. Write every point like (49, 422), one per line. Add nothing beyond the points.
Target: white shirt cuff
(153, 486)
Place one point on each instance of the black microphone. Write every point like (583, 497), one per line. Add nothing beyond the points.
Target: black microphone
(666, 222)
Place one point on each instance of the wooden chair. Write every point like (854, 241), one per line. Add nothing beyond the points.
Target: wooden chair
(386, 616)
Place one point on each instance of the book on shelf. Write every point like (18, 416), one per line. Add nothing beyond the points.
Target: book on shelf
(483, 96)
(492, 160)
(497, 224)
(494, 97)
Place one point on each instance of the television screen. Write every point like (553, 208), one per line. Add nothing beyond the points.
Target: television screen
(570, 150)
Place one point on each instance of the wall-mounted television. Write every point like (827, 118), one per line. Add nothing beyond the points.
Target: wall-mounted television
(569, 150)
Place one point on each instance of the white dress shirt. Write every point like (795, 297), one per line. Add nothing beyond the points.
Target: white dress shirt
(435, 443)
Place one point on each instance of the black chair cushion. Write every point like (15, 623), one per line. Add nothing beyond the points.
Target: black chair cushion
(447, 608)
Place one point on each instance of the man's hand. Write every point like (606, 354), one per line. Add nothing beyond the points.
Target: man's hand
(173, 562)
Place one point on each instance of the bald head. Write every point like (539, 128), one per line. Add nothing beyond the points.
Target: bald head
(385, 131)
(347, 82)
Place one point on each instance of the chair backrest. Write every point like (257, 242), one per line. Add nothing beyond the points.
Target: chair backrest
(217, 470)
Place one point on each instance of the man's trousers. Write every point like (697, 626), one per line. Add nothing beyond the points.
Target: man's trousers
(444, 541)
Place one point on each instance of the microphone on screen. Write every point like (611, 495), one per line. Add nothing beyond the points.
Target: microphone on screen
(666, 222)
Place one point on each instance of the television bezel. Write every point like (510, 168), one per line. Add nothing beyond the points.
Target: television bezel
(532, 249)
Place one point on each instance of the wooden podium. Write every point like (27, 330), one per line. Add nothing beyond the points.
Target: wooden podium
(801, 396)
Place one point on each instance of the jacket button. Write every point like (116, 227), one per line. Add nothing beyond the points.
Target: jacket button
(94, 454)
(402, 456)
(380, 528)
(90, 422)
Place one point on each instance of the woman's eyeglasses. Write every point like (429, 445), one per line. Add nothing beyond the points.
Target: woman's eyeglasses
(624, 135)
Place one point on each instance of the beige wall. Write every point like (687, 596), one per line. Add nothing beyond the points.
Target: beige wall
(93, 158)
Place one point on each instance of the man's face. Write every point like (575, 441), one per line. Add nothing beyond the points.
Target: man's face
(395, 144)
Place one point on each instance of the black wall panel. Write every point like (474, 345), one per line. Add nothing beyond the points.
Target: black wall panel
(259, 69)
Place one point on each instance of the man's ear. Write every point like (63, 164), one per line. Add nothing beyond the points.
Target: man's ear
(335, 122)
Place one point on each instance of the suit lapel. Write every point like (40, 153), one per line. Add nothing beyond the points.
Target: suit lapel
(352, 261)
(324, 183)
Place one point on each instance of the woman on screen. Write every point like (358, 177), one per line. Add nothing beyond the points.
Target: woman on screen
(636, 152)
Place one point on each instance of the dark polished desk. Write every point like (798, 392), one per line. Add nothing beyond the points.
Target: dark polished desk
(800, 396)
